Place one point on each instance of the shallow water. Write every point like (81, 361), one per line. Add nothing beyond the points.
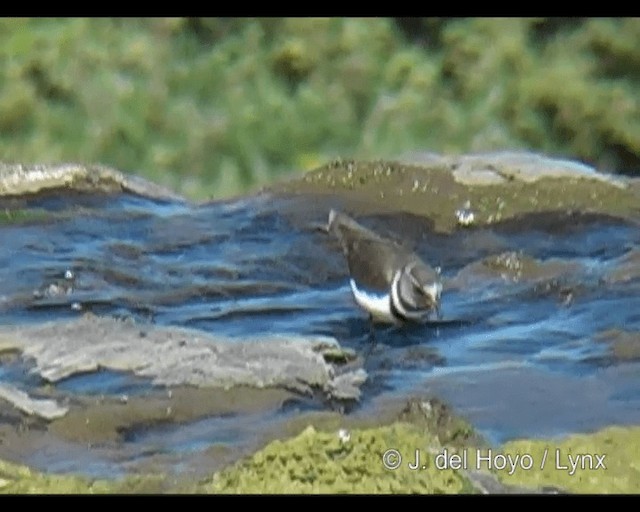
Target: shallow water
(516, 354)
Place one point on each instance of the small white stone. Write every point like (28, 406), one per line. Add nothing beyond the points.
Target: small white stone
(465, 216)
(344, 435)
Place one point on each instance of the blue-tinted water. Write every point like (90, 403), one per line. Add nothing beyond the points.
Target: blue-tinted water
(517, 356)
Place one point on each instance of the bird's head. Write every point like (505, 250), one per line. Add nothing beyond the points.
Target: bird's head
(420, 288)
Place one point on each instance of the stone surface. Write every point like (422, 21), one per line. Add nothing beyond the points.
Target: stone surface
(173, 356)
(490, 187)
(44, 408)
(500, 167)
(20, 180)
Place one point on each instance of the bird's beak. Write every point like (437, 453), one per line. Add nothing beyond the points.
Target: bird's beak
(438, 310)
(317, 226)
(433, 292)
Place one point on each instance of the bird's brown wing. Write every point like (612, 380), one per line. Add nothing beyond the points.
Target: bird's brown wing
(371, 258)
(369, 262)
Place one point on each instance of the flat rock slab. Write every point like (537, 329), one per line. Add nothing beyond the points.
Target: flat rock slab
(44, 408)
(177, 356)
(505, 166)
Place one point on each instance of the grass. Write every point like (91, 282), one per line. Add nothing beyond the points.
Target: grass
(218, 107)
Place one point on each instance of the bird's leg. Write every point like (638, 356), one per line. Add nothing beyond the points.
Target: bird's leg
(405, 333)
(372, 337)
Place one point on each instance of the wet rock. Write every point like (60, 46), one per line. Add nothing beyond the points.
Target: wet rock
(59, 287)
(514, 266)
(347, 386)
(22, 179)
(43, 408)
(497, 186)
(100, 420)
(501, 167)
(626, 269)
(173, 356)
(623, 345)
(437, 417)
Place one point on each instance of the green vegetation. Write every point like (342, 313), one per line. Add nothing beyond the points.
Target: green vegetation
(572, 463)
(326, 462)
(322, 462)
(215, 107)
(18, 479)
(21, 216)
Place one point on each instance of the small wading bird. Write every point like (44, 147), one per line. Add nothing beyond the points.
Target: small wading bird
(390, 282)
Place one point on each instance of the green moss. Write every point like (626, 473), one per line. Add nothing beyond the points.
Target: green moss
(319, 462)
(322, 462)
(21, 216)
(351, 461)
(18, 479)
(620, 474)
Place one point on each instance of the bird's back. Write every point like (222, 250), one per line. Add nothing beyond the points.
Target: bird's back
(371, 259)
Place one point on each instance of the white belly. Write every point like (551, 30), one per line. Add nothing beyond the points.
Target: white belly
(378, 305)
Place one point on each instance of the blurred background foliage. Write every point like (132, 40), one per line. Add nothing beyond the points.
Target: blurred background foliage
(218, 107)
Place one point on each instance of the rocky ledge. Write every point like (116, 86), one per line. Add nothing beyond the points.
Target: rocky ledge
(177, 356)
(455, 191)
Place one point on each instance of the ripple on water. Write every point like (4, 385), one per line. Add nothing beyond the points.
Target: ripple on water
(516, 356)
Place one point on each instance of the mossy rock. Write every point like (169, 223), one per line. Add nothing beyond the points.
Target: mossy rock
(19, 479)
(618, 472)
(341, 462)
